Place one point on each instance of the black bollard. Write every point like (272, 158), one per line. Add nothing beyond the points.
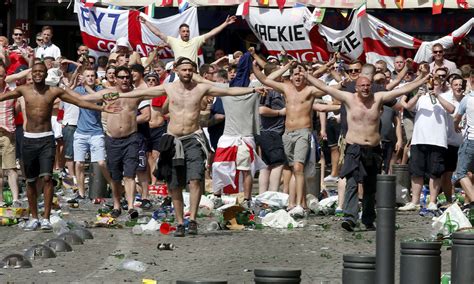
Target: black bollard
(277, 275)
(358, 269)
(201, 282)
(420, 262)
(97, 183)
(316, 189)
(402, 174)
(385, 235)
(462, 258)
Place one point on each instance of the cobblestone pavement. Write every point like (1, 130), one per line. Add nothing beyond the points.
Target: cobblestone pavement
(231, 255)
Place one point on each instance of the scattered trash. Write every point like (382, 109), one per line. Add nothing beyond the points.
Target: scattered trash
(47, 271)
(165, 246)
(272, 198)
(8, 221)
(281, 220)
(133, 265)
(327, 206)
(450, 221)
(446, 278)
(213, 226)
(149, 281)
(166, 228)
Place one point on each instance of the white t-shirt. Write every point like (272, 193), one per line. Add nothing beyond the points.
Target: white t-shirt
(430, 123)
(454, 138)
(466, 107)
(48, 51)
(71, 113)
(188, 49)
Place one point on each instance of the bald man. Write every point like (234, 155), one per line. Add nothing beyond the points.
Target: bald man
(363, 158)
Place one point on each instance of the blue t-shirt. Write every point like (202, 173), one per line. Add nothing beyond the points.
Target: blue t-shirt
(89, 122)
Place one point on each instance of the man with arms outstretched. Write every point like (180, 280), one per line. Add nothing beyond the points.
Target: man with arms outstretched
(299, 98)
(38, 144)
(362, 161)
(184, 98)
(184, 46)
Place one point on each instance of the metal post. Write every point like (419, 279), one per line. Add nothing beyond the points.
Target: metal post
(358, 269)
(420, 262)
(97, 183)
(385, 235)
(462, 258)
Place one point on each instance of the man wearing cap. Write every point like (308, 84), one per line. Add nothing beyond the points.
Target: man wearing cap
(184, 46)
(185, 98)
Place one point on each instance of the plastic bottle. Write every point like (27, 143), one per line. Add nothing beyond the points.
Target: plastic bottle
(424, 196)
(7, 196)
(134, 265)
(137, 230)
(213, 226)
(58, 224)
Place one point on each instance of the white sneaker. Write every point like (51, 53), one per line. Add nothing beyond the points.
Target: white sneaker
(297, 212)
(409, 207)
(330, 178)
(46, 225)
(31, 225)
(432, 207)
(218, 202)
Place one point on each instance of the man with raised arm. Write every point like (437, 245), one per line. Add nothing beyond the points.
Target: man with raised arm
(363, 159)
(299, 98)
(184, 46)
(185, 155)
(38, 144)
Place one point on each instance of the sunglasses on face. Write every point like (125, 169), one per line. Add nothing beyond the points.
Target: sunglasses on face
(151, 80)
(441, 75)
(17, 34)
(123, 77)
(353, 70)
(437, 51)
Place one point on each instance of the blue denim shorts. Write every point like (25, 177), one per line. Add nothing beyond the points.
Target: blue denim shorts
(465, 160)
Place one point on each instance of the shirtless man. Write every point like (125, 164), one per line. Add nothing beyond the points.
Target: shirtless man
(185, 98)
(299, 98)
(38, 143)
(362, 161)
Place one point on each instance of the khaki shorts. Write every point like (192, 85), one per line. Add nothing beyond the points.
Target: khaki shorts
(408, 127)
(7, 150)
(297, 143)
(243, 159)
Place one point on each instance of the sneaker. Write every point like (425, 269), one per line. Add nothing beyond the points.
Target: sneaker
(348, 225)
(133, 214)
(17, 204)
(370, 227)
(297, 212)
(179, 231)
(32, 225)
(339, 212)
(63, 173)
(217, 200)
(45, 225)
(409, 207)
(146, 204)
(166, 202)
(76, 199)
(192, 227)
(432, 206)
(124, 204)
(115, 213)
(330, 178)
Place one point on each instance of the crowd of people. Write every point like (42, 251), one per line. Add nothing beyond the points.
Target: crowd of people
(145, 122)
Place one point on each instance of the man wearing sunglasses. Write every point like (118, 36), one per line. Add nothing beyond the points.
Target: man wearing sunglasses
(439, 60)
(185, 96)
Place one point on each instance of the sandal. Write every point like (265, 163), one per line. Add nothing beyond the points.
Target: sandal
(115, 213)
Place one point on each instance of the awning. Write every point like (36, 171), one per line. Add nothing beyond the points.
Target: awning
(342, 4)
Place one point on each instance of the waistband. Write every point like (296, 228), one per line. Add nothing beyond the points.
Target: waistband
(364, 147)
(301, 130)
(38, 134)
(124, 137)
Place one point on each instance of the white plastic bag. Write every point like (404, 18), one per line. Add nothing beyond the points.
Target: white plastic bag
(450, 221)
(280, 219)
(272, 198)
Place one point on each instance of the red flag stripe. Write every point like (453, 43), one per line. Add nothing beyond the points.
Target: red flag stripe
(134, 28)
(377, 46)
(228, 154)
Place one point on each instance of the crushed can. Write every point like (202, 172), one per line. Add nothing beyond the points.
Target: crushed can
(165, 246)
